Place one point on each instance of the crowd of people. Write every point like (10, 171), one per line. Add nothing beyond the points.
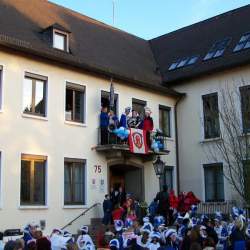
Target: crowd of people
(109, 122)
(168, 223)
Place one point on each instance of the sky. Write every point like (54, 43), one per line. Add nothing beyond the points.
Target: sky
(151, 18)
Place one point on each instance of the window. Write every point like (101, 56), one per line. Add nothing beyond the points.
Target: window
(211, 116)
(214, 182)
(139, 106)
(1, 87)
(75, 103)
(164, 120)
(60, 40)
(105, 101)
(244, 43)
(33, 180)
(167, 178)
(183, 62)
(247, 180)
(217, 49)
(74, 182)
(245, 108)
(34, 94)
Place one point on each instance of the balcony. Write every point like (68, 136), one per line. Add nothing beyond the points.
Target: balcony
(113, 145)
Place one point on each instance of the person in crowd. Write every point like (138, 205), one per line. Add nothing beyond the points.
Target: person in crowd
(192, 236)
(121, 196)
(29, 234)
(136, 227)
(209, 244)
(238, 238)
(104, 124)
(155, 243)
(163, 202)
(148, 125)
(42, 243)
(147, 224)
(143, 241)
(134, 121)
(118, 212)
(210, 230)
(107, 210)
(153, 207)
(114, 244)
(1, 241)
(158, 220)
(13, 245)
(124, 118)
(171, 240)
(84, 241)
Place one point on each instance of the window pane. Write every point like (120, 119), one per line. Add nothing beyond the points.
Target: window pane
(69, 105)
(211, 116)
(25, 182)
(105, 101)
(67, 181)
(59, 41)
(247, 179)
(245, 108)
(164, 121)
(214, 182)
(40, 98)
(78, 177)
(79, 106)
(74, 183)
(39, 183)
(139, 107)
(27, 95)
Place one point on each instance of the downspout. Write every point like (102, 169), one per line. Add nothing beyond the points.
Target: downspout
(177, 144)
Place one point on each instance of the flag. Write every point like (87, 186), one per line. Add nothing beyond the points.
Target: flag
(112, 96)
(137, 141)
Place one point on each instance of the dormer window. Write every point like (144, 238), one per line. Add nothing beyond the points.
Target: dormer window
(61, 40)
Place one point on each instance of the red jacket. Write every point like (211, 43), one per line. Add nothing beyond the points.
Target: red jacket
(117, 213)
(148, 124)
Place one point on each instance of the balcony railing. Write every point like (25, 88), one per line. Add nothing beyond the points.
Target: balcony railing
(110, 140)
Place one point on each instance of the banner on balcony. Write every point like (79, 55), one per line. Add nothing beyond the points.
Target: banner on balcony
(137, 141)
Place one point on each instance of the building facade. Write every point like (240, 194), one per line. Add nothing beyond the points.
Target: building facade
(56, 68)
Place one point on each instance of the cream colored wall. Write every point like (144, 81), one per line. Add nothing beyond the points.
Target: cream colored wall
(56, 139)
(192, 147)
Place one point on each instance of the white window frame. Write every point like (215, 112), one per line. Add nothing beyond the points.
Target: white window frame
(1, 179)
(1, 87)
(203, 139)
(204, 181)
(20, 206)
(80, 124)
(86, 205)
(27, 115)
(67, 39)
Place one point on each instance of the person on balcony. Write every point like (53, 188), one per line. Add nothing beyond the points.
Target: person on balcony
(124, 118)
(134, 121)
(148, 125)
(104, 123)
(113, 124)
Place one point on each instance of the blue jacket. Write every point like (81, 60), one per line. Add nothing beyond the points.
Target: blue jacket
(104, 120)
(123, 121)
(107, 206)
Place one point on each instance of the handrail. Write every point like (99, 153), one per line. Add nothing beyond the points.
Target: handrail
(80, 215)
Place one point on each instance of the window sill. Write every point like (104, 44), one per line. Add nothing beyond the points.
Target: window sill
(210, 140)
(75, 207)
(78, 124)
(23, 207)
(35, 117)
(169, 139)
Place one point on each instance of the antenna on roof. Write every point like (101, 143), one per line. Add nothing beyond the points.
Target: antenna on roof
(113, 2)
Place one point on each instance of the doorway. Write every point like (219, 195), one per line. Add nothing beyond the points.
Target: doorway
(130, 178)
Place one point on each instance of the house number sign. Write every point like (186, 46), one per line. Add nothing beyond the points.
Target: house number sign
(98, 169)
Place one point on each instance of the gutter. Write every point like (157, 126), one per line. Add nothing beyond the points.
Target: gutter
(177, 143)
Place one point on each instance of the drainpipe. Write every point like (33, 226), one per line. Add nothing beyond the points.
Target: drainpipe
(177, 144)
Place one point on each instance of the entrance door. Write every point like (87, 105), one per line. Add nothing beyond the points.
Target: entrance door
(128, 177)
(133, 183)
